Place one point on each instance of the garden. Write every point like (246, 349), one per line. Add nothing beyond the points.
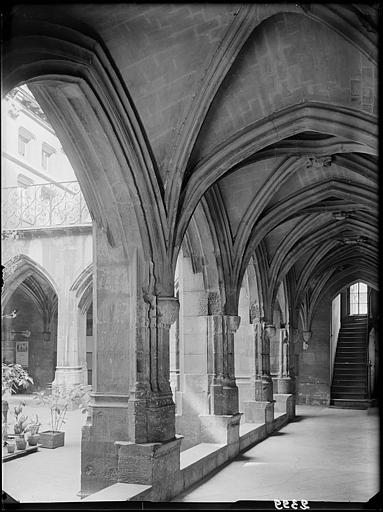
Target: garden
(23, 434)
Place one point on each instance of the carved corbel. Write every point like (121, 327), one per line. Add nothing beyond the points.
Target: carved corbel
(168, 308)
(314, 161)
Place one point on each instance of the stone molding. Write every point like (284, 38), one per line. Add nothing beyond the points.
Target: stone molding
(314, 161)
(168, 308)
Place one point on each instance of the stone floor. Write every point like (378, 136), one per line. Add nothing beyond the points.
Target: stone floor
(326, 455)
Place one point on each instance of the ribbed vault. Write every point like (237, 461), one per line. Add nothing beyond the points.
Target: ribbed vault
(245, 133)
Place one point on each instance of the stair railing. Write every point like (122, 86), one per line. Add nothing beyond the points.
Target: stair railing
(369, 363)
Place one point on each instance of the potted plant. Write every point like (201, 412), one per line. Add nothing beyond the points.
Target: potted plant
(11, 446)
(13, 376)
(20, 426)
(33, 431)
(59, 398)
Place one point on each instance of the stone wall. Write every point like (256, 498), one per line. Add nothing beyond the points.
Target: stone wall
(313, 380)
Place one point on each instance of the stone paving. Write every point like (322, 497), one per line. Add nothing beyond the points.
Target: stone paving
(47, 475)
(327, 454)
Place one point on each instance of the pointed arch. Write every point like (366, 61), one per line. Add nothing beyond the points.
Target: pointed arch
(74, 79)
(17, 270)
(83, 288)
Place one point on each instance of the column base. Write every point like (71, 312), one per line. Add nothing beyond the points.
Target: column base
(259, 412)
(263, 390)
(155, 464)
(70, 376)
(285, 403)
(285, 385)
(160, 415)
(224, 399)
(221, 429)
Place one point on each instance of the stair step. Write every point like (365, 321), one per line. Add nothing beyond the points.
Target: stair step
(342, 358)
(349, 389)
(356, 396)
(355, 382)
(350, 404)
(351, 346)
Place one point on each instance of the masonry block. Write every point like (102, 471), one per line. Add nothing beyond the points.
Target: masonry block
(190, 428)
(220, 429)
(155, 464)
(285, 403)
(259, 412)
(98, 463)
(285, 386)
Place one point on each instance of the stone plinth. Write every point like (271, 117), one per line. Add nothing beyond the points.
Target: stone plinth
(160, 417)
(221, 429)
(155, 464)
(285, 403)
(285, 385)
(263, 389)
(259, 412)
(71, 375)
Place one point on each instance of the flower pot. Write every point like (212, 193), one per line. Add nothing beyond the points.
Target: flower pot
(21, 443)
(33, 439)
(11, 447)
(52, 439)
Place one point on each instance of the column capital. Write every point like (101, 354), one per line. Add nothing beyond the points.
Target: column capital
(270, 330)
(233, 322)
(168, 308)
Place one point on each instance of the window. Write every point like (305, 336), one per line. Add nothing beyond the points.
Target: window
(24, 139)
(358, 299)
(24, 181)
(23, 145)
(46, 156)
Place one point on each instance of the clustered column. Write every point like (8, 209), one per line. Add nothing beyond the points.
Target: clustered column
(222, 424)
(133, 413)
(223, 389)
(260, 408)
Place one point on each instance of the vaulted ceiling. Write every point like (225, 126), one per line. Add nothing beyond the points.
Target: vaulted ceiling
(266, 114)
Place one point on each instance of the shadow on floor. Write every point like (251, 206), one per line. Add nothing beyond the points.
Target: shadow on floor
(243, 456)
(300, 418)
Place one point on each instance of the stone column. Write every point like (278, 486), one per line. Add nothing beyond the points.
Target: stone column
(261, 408)
(161, 408)
(130, 434)
(71, 362)
(222, 424)
(284, 379)
(223, 389)
(113, 329)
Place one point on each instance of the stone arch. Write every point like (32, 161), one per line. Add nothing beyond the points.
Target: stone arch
(19, 268)
(83, 288)
(73, 79)
(29, 290)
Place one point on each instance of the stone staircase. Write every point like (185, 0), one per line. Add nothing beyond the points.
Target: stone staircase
(349, 385)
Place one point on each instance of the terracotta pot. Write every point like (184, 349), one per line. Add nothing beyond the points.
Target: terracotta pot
(21, 443)
(11, 447)
(33, 439)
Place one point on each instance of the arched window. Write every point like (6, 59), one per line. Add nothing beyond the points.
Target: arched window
(358, 299)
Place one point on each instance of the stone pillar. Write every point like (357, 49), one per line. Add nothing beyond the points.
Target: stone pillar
(223, 389)
(222, 424)
(113, 328)
(130, 434)
(284, 379)
(261, 408)
(71, 362)
(192, 397)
